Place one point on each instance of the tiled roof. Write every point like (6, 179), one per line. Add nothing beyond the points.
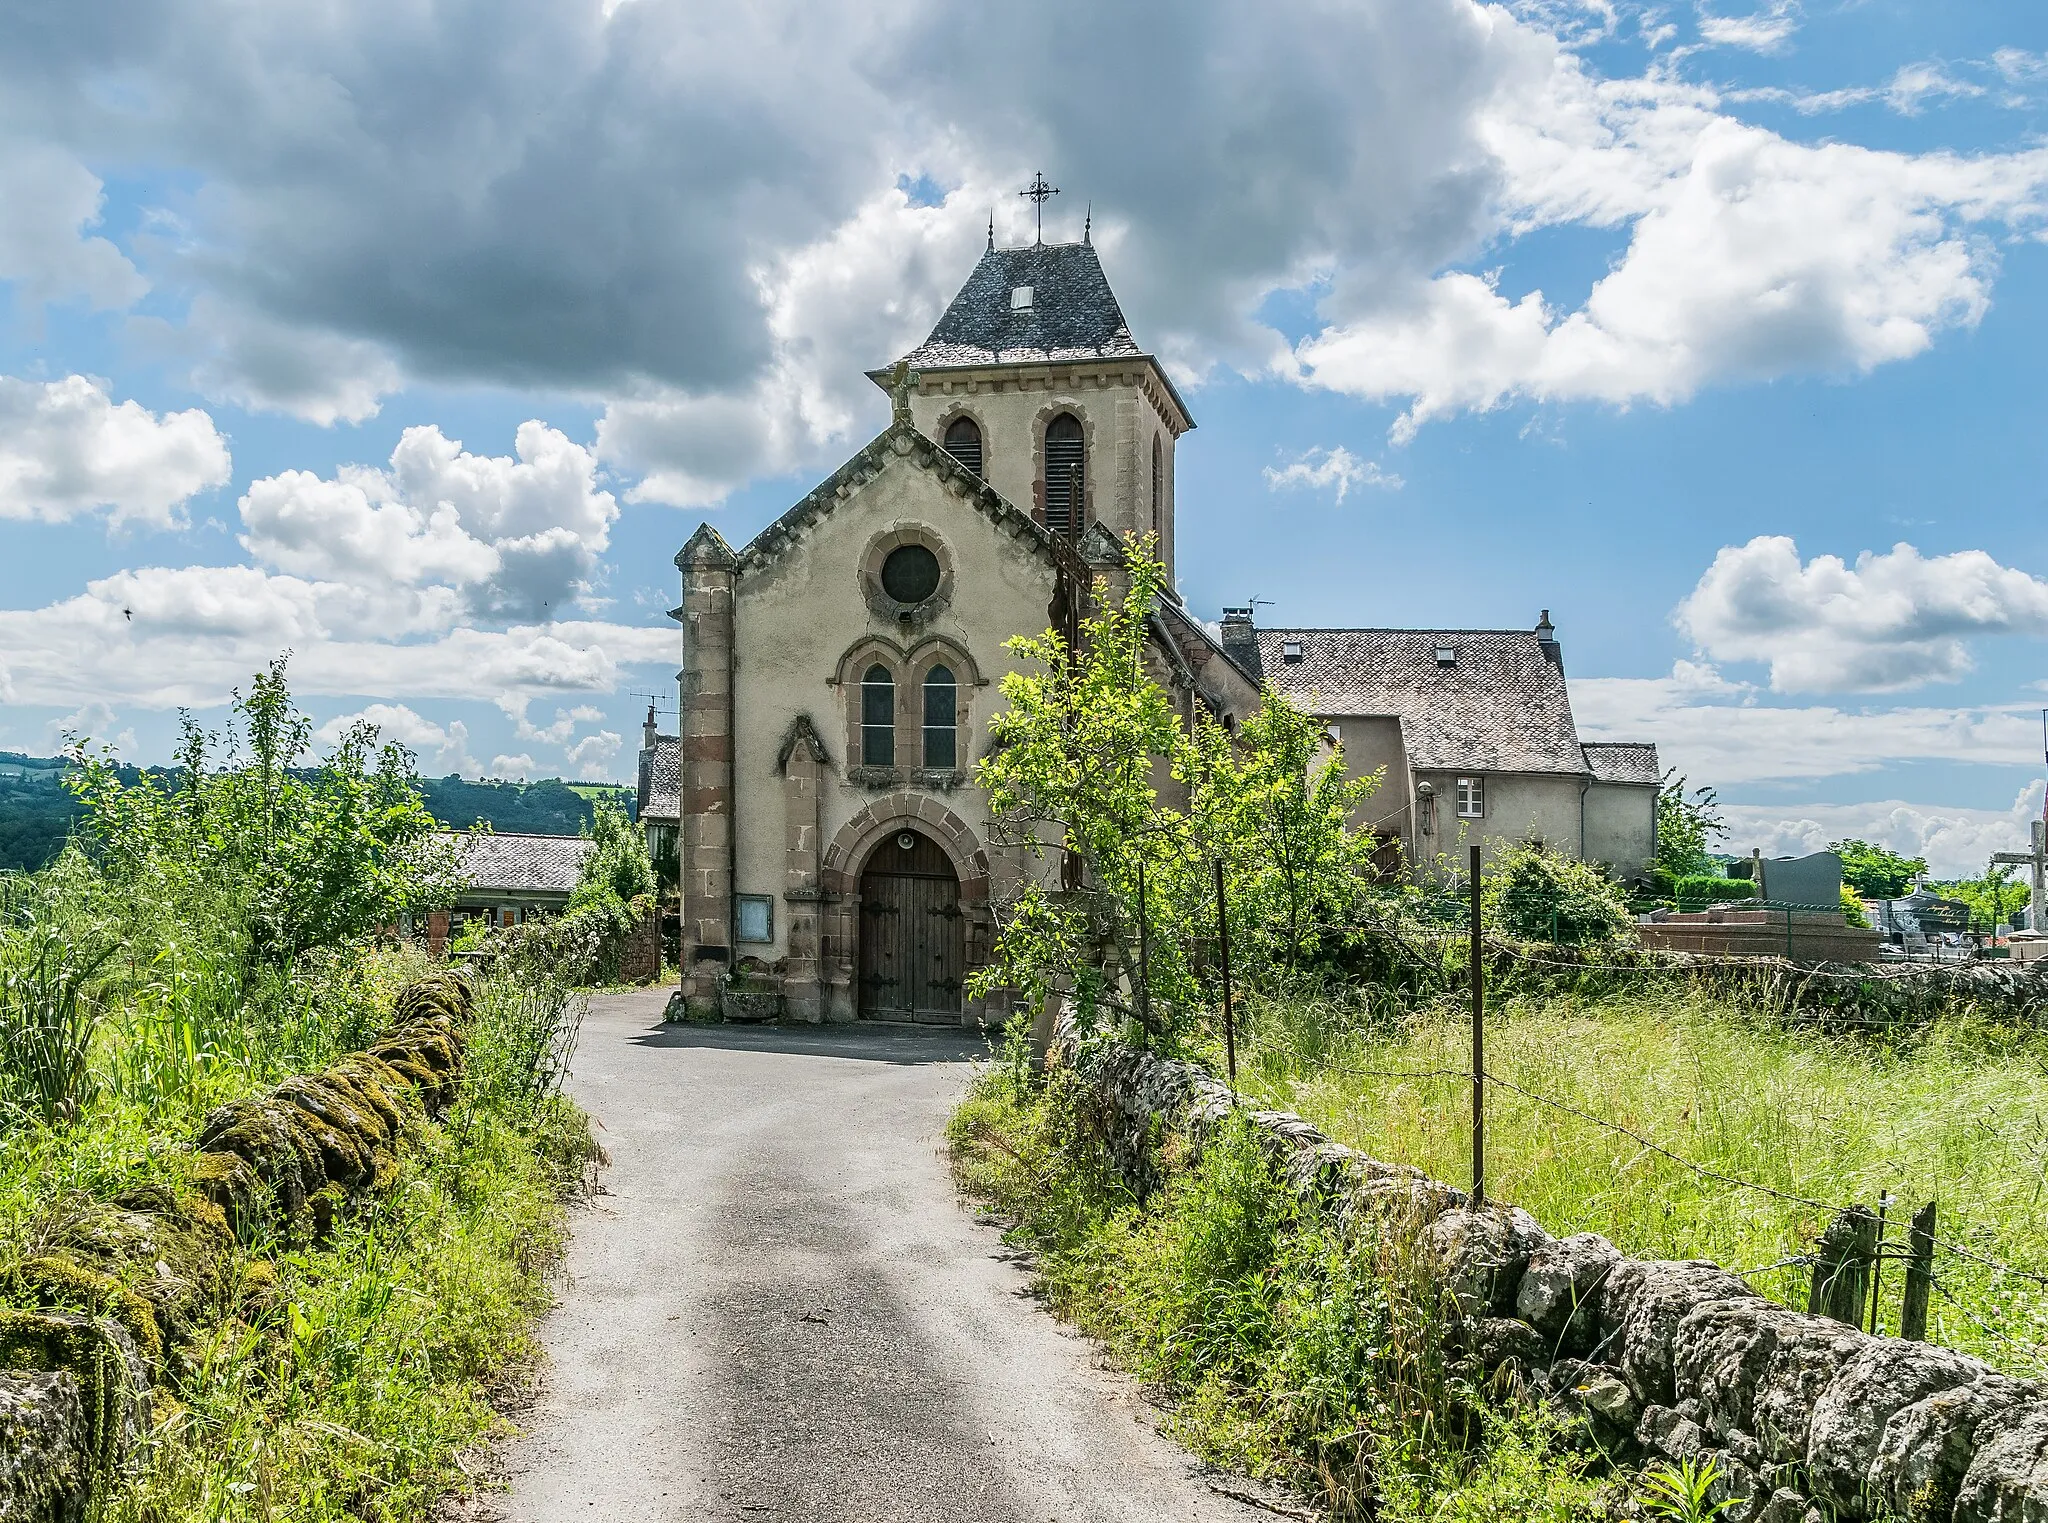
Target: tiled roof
(1624, 761)
(515, 863)
(661, 780)
(1500, 706)
(1073, 314)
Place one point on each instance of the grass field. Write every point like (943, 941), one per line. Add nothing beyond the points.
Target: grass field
(1956, 1113)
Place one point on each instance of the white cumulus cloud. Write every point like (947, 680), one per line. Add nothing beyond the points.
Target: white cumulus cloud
(515, 536)
(1889, 621)
(50, 200)
(1956, 842)
(67, 448)
(440, 748)
(1321, 469)
(513, 768)
(593, 755)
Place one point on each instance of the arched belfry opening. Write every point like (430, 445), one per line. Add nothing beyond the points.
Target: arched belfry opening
(913, 936)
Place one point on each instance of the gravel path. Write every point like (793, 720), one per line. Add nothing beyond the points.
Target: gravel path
(782, 1311)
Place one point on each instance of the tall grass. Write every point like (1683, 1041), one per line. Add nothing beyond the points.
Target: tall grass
(1956, 1113)
(1282, 1351)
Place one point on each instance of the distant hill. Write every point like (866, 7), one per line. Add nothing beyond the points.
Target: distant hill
(36, 813)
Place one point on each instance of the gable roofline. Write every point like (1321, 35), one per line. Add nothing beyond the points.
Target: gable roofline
(899, 441)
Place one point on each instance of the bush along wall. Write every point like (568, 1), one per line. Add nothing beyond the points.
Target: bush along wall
(1802, 1418)
(95, 1326)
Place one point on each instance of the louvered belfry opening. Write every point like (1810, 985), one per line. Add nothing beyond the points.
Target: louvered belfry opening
(963, 443)
(1066, 480)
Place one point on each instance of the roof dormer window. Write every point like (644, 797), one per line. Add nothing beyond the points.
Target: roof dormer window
(1447, 655)
(1020, 298)
(1290, 651)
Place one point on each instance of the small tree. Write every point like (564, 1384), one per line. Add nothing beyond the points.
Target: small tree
(287, 858)
(617, 870)
(1876, 873)
(1092, 763)
(1688, 824)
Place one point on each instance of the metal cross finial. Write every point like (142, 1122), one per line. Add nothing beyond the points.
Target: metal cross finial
(1039, 192)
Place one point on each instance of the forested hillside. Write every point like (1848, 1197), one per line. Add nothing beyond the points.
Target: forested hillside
(36, 810)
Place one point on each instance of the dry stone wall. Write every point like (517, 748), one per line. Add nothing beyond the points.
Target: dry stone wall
(1806, 1419)
(93, 1330)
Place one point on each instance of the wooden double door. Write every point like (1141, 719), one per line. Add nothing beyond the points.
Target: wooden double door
(913, 936)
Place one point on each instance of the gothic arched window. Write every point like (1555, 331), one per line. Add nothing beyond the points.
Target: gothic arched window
(1156, 457)
(963, 443)
(1066, 478)
(941, 712)
(877, 717)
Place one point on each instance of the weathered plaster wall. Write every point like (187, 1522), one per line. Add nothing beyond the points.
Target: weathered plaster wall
(1621, 826)
(1372, 743)
(798, 616)
(1805, 1418)
(1519, 806)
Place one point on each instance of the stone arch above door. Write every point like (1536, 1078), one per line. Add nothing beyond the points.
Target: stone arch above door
(881, 817)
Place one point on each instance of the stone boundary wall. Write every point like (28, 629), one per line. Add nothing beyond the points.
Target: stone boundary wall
(78, 1388)
(1807, 1419)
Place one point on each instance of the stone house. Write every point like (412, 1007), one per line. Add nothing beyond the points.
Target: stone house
(839, 670)
(1472, 731)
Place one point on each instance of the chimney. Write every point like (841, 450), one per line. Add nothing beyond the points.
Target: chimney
(1241, 640)
(647, 730)
(1546, 641)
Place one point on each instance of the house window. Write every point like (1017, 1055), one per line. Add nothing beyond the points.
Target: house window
(755, 914)
(1290, 651)
(963, 443)
(1447, 655)
(941, 700)
(1020, 298)
(1066, 482)
(1155, 483)
(1471, 798)
(878, 718)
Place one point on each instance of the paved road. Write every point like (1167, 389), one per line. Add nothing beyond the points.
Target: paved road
(781, 1310)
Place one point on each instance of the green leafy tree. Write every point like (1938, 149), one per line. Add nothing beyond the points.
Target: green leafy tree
(282, 857)
(617, 869)
(1093, 766)
(1688, 824)
(1993, 899)
(1276, 803)
(1876, 873)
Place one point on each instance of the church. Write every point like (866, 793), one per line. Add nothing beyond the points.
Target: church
(839, 670)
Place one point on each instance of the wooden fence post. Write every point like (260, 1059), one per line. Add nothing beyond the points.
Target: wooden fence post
(1841, 1269)
(1223, 957)
(1919, 1275)
(1478, 1045)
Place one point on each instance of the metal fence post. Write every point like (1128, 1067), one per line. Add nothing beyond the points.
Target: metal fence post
(1478, 1046)
(1223, 958)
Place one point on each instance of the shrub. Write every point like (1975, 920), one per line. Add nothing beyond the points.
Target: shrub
(1536, 895)
(1697, 892)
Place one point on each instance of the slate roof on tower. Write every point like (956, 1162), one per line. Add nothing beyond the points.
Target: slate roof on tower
(1073, 314)
(1498, 704)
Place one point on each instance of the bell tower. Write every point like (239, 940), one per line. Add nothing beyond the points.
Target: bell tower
(1033, 381)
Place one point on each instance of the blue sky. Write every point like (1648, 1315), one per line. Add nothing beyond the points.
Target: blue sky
(416, 339)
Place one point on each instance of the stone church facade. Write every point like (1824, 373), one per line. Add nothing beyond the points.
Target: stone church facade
(840, 669)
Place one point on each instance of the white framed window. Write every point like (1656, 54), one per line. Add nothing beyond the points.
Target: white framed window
(1447, 655)
(756, 916)
(1290, 651)
(1471, 798)
(1020, 298)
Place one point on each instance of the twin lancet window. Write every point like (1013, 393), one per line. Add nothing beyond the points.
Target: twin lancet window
(878, 718)
(1066, 466)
